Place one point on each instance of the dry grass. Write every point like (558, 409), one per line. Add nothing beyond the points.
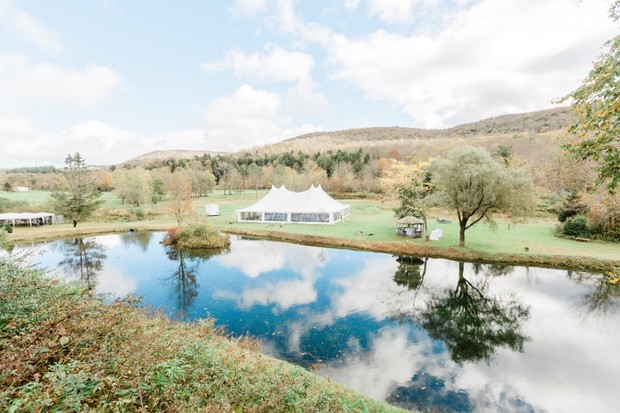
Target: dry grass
(62, 349)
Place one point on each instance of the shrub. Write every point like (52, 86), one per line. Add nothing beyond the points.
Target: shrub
(8, 228)
(196, 237)
(576, 226)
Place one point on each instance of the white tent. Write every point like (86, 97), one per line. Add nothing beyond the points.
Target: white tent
(312, 206)
(36, 218)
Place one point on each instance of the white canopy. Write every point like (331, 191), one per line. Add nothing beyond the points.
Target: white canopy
(30, 217)
(281, 205)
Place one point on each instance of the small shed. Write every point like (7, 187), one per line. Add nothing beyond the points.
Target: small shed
(410, 226)
(212, 210)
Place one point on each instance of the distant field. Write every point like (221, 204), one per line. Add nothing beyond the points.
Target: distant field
(37, 199)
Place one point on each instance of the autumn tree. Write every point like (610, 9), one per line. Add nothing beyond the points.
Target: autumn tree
(408, 184)
(596, 103)
(77, 195)
(178, 186)
(133, 186)
(476, 186)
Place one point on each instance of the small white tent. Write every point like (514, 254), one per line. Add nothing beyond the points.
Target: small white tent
(312, 206)
(36, 218)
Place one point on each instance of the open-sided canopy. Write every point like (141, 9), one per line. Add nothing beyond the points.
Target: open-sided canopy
(281, 205)
(25, 217)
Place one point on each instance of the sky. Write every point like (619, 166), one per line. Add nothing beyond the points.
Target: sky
(115, 79)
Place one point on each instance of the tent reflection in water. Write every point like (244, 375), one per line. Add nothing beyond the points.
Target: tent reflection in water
(312, 206)
(410, 227)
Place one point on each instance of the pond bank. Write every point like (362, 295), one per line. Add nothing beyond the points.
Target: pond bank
(581, 262)
(454, 253)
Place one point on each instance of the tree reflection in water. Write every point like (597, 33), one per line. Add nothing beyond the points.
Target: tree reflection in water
(602, 297)
(472, 323)
(410, 272)
(184, 285)
(141, 239)
(84, 259)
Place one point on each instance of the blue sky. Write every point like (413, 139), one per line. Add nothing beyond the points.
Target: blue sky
(115, 79)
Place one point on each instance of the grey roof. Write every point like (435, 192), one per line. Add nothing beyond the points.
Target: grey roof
(410, 220)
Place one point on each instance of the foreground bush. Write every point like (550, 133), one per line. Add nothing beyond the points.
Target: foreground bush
(63, 349)
(196, 237)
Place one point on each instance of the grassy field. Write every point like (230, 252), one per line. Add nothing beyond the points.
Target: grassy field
(370, 221)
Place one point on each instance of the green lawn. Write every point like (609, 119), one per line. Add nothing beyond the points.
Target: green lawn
(39, 199)
(373, 220)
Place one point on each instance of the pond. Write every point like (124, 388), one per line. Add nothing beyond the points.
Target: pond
(433, 334)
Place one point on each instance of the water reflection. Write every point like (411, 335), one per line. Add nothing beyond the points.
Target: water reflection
(141, 239)
(182, 280)
(472, 322)
(433, 334)
(83, 258)
(601, 296)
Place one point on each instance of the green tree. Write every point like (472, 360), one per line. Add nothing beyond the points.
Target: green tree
(157, 190)
(476, 186)
(596, 103)
(411, 196)
(571, 206)
(77, 195)
(132, 186)
(8, 187)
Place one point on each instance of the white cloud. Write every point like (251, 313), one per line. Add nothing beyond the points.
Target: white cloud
(274, 64)
(15, 127)
(497, 57)
(351, 5)
(22, 25)
(45, 83)
(99, 143)
(391, 11)
(249, 7)
(189, 139)
(247, 118)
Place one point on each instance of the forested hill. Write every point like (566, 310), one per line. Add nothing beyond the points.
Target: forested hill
(507, 129)
(527, 134)
(168, 154)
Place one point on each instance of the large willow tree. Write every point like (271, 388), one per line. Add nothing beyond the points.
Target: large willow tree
(476, 186)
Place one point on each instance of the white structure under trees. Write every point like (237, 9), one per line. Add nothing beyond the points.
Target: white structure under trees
(29, 218)
(279, 205)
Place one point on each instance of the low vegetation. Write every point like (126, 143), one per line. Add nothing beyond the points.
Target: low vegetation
(196, 236)
(63, 349)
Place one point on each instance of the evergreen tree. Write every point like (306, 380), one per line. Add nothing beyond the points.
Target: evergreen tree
(78, 196)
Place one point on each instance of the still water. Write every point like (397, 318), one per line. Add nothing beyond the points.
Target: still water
(433, 334)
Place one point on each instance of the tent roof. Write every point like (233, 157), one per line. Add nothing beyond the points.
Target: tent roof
(410, 220)
(281, 199)
(24, 215)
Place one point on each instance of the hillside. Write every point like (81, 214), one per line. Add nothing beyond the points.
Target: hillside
(524, 133)
(528, 134)
(168, 154)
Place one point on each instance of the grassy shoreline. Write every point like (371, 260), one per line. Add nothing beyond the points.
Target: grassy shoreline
(406, 247)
